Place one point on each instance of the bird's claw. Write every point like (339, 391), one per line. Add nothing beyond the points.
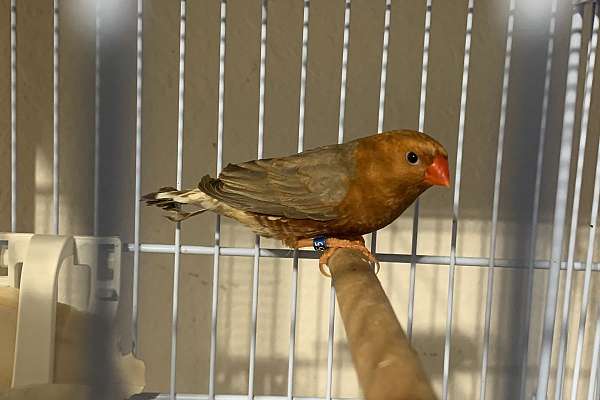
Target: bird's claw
(328, 246)
(323, 261)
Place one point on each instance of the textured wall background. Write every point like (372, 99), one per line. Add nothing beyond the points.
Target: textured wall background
(160, 73)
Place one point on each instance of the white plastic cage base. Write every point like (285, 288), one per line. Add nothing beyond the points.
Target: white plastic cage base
(91, 272)
(78, 271)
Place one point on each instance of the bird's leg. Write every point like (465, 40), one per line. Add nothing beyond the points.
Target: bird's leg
(328, 246)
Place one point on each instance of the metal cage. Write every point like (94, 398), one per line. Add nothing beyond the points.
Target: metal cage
(566, 91)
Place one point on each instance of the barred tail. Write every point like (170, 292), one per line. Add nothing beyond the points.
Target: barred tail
(179, 204)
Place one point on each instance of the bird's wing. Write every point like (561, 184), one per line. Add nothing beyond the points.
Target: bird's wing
(307, 185)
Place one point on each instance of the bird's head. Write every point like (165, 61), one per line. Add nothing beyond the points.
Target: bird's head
(418, 159)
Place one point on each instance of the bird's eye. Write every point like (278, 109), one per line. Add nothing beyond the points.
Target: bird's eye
(412, 158)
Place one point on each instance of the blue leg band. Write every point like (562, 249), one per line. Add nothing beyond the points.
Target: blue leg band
(320, 243)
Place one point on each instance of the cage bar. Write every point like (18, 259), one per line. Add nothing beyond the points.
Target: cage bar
(262, 72)
(97, 118)
(560, 205)
(217, 245)
(564, 329)
(296, 252)
(214, 309)
(13, 115)
(384, 257)
(496, 199)
(384, 64)
(597, 379)
(254, 317)
(344, 71)
(382, 86)
(593, 385)
(585, 296)
(55, 116)
(536, 199)
(415, 227)
(304, 64)
(597, 383)
(261, 127)
(330, 342)
(293, 315)
(138, 176)
(341, 120)
(456, 197)
(425, 65)
(177, 260)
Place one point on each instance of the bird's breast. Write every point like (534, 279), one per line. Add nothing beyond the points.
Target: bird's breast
(367, 208)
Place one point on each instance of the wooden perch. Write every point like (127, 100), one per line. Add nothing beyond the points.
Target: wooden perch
(386, 365)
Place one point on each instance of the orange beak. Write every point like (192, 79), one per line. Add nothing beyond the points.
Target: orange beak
(437, 173)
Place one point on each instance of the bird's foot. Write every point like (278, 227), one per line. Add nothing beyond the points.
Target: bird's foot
(328, 246)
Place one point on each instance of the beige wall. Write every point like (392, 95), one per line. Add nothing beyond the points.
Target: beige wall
(161, 23)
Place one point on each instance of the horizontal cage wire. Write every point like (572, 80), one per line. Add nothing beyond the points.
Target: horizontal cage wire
(494, 280)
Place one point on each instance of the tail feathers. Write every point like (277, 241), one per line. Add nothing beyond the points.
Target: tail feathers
(178, 204)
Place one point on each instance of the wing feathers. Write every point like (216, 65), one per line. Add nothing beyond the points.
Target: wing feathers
(308, 185)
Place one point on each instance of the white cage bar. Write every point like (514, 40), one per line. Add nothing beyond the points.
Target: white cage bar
(300, 148)
(382, 83)
(55, 116)
(496, 199)
(259, 155)
(560, 206)
(415, 226)
(384, 257)
(138, 175)
(564, 331)
(456, 198)
(595, 363)
(215, 283)
(97, 119)
(13, 115)
(341, 132)
(177, 259)
(585, 295)
(536, 198)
